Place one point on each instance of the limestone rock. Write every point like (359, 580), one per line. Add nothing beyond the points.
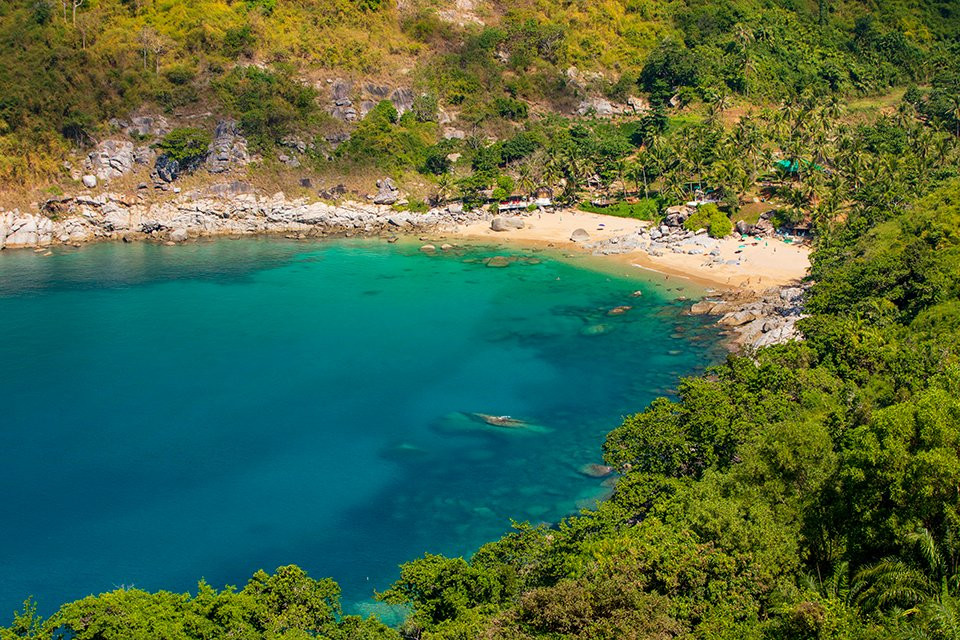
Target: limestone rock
(90, 181)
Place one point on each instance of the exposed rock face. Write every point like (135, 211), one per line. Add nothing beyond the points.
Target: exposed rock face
(114, 158)
(168, 169)
(146, 126)
(27, 230)
(758, 320)
(597, 106)
(506, 224)
(402, 100)
(387, 192)
(236, 211)
(228, 150)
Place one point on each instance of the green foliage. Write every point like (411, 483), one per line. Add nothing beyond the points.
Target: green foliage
(644, 210)
(709, 217)
(286, 604)
(186, 146)
(385, 140)
(269, 104)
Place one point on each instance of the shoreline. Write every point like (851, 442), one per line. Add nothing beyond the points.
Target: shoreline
(747, 274)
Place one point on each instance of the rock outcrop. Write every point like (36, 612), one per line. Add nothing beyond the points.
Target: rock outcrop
(115, 158)
(758, 320)
(229, 209)
(228, 150)
(387, 192)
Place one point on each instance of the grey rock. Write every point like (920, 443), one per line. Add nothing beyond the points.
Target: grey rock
(402, 100)
(580, 235)
(146, 126)
(506, 223)
(90, 182)
(111, 159)
(342, 89)
(379, 92)
(387, 192)
(228, 150)
(179, 235)
(168, 169)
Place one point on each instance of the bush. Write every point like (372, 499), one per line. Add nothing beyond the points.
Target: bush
(269, 104)
(644, 210)
(510, 108)
(709, 217)
(425, 108)
(187, 145)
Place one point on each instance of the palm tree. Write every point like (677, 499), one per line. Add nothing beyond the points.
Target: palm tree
(637, 171)
(927, 589)
(525, 181)
(445, 187)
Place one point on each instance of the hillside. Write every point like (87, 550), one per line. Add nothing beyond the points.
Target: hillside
(301, 77)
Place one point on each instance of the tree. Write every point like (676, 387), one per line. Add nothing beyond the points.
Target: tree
(151, 42)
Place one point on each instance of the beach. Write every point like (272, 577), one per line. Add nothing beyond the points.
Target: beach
(764, 263)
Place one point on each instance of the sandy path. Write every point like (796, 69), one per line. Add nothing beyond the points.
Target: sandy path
(765, 263)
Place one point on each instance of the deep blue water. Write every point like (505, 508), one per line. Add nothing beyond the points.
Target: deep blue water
(207, 410)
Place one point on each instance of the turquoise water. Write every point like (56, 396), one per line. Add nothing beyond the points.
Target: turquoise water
(216, 408)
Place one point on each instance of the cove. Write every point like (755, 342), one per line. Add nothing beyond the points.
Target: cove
(207, 410)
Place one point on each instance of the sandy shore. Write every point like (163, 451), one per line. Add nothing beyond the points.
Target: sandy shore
(763, 264)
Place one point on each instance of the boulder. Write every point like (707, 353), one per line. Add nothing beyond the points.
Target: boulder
(89, 181)
(168, 169)
(580, 235)
(498, 262)
(178, 235)
(597, 106)
(738, 318)
(506, 224)
(111, 159)
(341, 89)
(387, 192)
(639, 105)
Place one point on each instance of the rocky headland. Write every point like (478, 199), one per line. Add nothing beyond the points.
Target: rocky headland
(221, 209)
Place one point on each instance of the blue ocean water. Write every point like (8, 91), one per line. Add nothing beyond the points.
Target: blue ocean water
(207, 410)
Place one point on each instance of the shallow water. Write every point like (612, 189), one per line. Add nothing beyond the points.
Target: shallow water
(207, 410)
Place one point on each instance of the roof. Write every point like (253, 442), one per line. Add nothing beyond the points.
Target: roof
(792, 166)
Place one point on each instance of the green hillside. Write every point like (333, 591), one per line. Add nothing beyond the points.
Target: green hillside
(68, 67)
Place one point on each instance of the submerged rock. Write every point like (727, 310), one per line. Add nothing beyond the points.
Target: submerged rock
(595, 330)
(461, 421)
(596, 470)
(498, 262)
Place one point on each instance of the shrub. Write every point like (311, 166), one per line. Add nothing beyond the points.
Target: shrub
(425, 108)
(510, 108)
(709, 217)
(269, 104)
(187, 145)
